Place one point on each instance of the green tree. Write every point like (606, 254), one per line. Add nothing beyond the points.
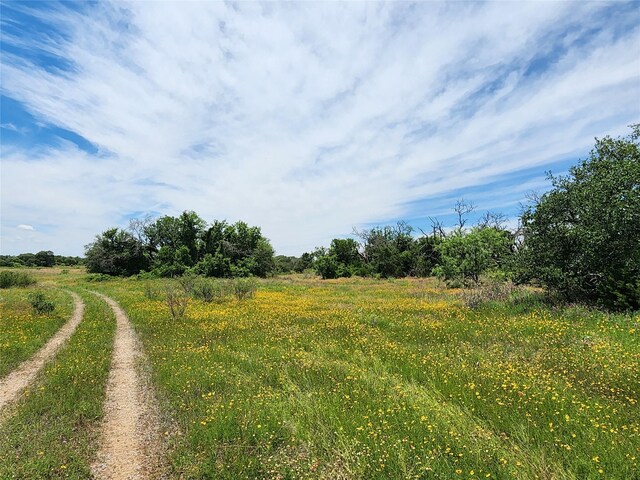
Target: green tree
(115, 252)
(389, 251)
(45, 258)
(236, 250)
(168, 237)
(581, 239)
(465, 256)
(327, 266)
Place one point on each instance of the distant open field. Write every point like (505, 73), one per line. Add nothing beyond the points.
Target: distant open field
(341, 379)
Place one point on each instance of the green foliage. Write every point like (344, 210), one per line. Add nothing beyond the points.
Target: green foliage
(244, 288)
(389, 251)
(465, 256)
(10, 279)
(45, 259)
(426, 255)
(327, 266)
(40, 259)
(385, 252)
(115, 252)
(342, 259)
(285, 264)
(40, 303)
(173, 246)
(581, 238)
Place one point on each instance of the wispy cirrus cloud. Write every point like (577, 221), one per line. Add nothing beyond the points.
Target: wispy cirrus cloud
(306, 119)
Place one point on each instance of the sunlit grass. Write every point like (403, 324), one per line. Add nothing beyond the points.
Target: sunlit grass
(53, 430)
(23, 331)
(391, 379)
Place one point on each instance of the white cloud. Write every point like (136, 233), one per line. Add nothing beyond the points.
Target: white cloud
(25, 227)
(309, 118)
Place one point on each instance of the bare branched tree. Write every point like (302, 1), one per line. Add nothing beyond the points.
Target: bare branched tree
(138, 227)
(462, 209)
(496, 220)
(437, 227)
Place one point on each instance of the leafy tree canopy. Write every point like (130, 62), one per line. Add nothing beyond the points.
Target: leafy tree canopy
(582, 237)
(171, 246)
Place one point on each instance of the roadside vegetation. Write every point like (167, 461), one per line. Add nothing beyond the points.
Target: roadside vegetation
(11, 278)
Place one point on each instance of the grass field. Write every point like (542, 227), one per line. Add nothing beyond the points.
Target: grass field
(390, 379)
(351, 379)
(23, 331)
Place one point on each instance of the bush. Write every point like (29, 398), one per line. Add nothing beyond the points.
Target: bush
(187, 282)
(97, 277)
(490, 291)
(151, 292)
(210, 290)
(10, 279)
(115, 252)
(177, 300)
(244, 288)
(40, 303)
(466, 256)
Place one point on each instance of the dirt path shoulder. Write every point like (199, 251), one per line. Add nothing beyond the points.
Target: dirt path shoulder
(129, 445)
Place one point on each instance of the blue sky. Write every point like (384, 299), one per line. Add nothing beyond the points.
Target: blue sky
(307, 119)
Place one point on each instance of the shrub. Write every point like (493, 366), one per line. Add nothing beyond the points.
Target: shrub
(187, 282)
(210, 290)
(10, 279)
(151, 292)
(466, 256)
(244, 288)
(97, 277)
(40, 303)
(177, 300)
(490, 291)
(115, 252)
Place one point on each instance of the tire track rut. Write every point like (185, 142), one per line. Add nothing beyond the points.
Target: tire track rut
(129, 444)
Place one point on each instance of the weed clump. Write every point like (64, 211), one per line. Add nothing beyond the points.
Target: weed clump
(40, 303)
(490, 291)
(151, 292)
(10, 279)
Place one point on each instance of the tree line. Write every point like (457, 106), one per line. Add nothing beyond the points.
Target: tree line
(44, 258)
(579, 240)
